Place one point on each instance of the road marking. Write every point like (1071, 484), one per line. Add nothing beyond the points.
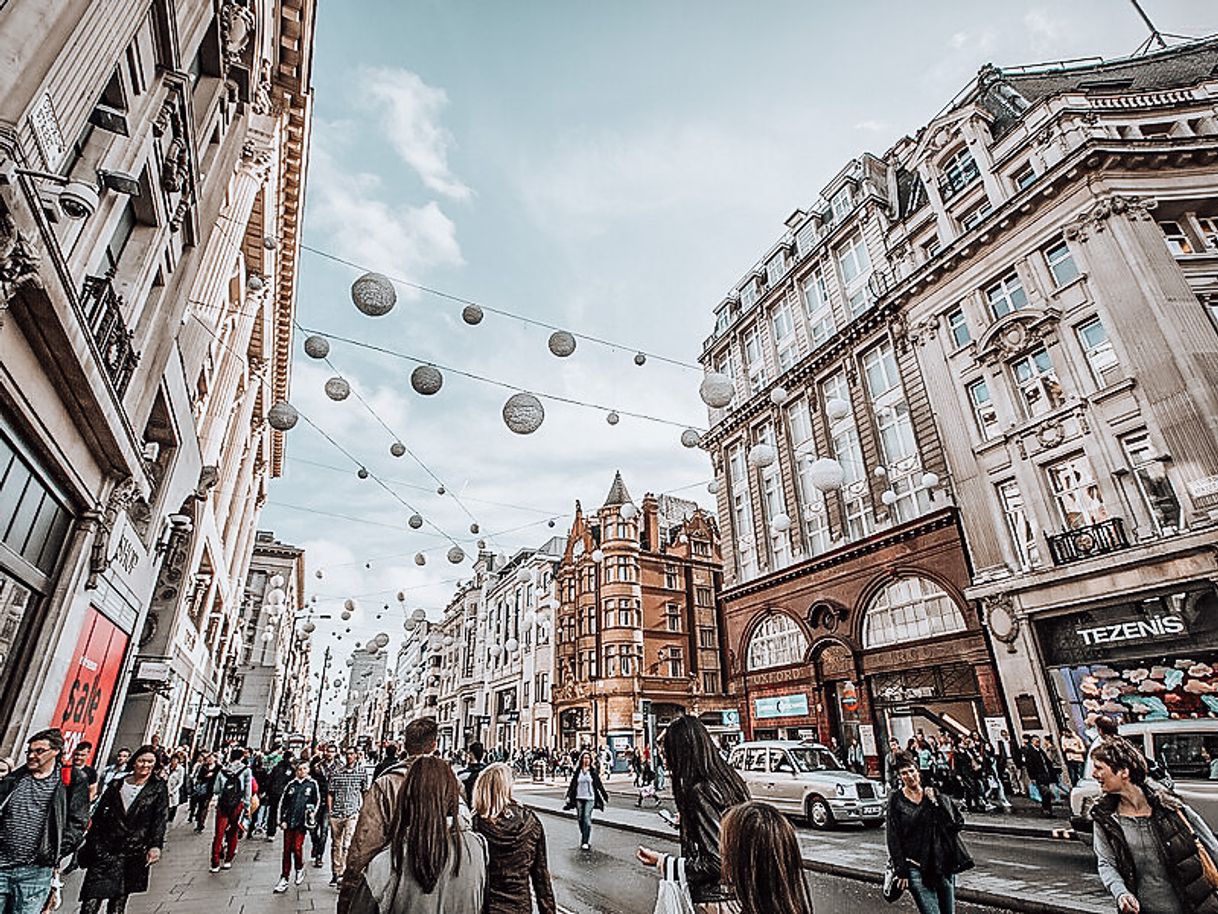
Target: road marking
(1012, 863)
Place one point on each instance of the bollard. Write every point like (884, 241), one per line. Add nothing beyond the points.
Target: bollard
(539, 771)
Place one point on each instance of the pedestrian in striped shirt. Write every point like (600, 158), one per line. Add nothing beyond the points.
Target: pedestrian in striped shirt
(345, 797)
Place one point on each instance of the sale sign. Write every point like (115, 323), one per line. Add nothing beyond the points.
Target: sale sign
(90, 684)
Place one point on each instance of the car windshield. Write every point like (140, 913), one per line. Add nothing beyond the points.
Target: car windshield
(808, 758)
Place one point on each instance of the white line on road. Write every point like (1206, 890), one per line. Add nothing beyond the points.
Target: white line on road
(1018, 866)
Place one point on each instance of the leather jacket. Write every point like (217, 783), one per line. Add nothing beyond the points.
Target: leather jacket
(701, 811)
(66, 817)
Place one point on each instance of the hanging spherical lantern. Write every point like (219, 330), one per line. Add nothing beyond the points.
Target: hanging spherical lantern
(426, 380)
(472, 315)
(282, 416)
(550, 522)
(381, 639)
(528, 619)
(346, 615)
(270, 242)
(836, 408)
(481, 544)
(629, 511)
(690, 438)
(780, 523)
(415, 521)
(275, 596)
(524, 576)
(397, 449)
(930, 480)
(350, 604)
(401, 597)
(448, 640)
(254, 283)
(778, 396)
(512, 645)
(318, 574)
(310, 627)
(495, 650)
(456, 555)
(482, 615)
(374, 294)
(761, 455)
(419, 615)
(362, 473)
(523, 413)
(888, 497)
(562, 343)
(880, 471)
(440, 490)
(338, 389)
(716, 390)
(420, 558)
(268, 636)
(316, 346)
(473, 528)
(598, 555)
(713, 487)
(640, 358)
(827, 474)
(613, 418)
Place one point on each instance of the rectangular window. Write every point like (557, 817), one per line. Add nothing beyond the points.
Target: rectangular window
(1006, 295)
(1061, 263)
(742, 513)
(984, 413)
(754, 359)
(1076, 493)
(1101, 358)
(1153, 484)
(748, 295)
(853, 260)
(974, 216)
(846, 449)
(859, 301)
(1040, 391)
(1177, 241)
(672, 617)
(880, 370)
(819, 311)
(120, 237)
(772, 502)
(710, 683)
(1019, 525)
(702, 596)
(1209, 231)
(842, 203)
(931, 249)
(676, 662)
(957, 327)
(706, 637)
(959, 171)
(670, 577)
(784, 335)
(776, 268)
(799, 424)
(1024, 177)
(805, 238)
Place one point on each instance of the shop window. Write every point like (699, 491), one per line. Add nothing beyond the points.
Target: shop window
(777, 641)
(1156, 490)
(34, 521)
(1040, 391)
(1076, 492)
(910, 609)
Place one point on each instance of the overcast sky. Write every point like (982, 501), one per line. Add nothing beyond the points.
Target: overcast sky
(610, 168)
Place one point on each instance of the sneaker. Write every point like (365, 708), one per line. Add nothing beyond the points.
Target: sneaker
(584, 847)
(226, 865)
(317, 862)
(299, 876)
(281, 886)
(333, 880)
(214, 869)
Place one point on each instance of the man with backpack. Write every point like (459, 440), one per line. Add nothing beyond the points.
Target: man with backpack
(234, 787)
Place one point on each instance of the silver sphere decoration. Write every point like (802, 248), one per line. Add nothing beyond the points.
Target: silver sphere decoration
(837, 408)
(690, 438)
(282, 416)
(426, 380)
(528, 618)
(512, 645)
(397, 449)
(523, 576)
(562, 343)
(440, 490)
(270, 242)
(495, 650)
(930, 480)
(629, 511)
(415, 521)
(381, 639)
(401, 597)
(318, 574)
(420, 558)
(827, 474)
(481, 544)
(254, 283)
(362, 473)
(338, 389)
(374, 294)
(310, 627)
(350, 604)
(761, 455)
(716, 390)
(551, 522)
(778, 396)
(346, 615)
(474, 528)
(780, 523)
(713, 487)
(419, 615)
(888, 497)
(448, 640)
(881, 471)
(456, 555)
(523, 413)
(316, 346)
(613, 418)
(640, 358)
(598, 555)
(472, 315)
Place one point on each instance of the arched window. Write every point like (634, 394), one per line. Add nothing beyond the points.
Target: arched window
(777, 641)
(910, 609)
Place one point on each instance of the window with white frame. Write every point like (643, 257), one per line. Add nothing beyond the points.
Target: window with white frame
(855, 267)
(1209, 231)
(931, 249)
(1019, 524)
(742, 513)
(1006, 295)
(1060, 262)
(1150, 474)
(959, 171)
(676, 662)
(898, 447)
(805, 238)
(813, 514)
(722, 319)
(776, 641)
(1076, 492)
(984, 412)
(821, 325)
(974, 216)
(784, 335)
(1024, 177)
(775, 268)
(710, 682)
(957, 327)
(842, 203)
(1177, 239)
(754, 359)
(844, 441)
(910, 609)
(672, 617)
(1039, 389)
(772, 502)
(1101, 358)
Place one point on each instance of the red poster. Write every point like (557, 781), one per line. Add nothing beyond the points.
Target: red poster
(91, 680)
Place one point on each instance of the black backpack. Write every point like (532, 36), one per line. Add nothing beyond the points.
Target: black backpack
(232, 794)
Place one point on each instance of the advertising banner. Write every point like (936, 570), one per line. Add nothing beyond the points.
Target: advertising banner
(781, 706)
(91, 682)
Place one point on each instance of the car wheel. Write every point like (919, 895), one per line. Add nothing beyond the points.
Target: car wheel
(818, 813)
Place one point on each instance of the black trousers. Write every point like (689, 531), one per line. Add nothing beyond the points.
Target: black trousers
(115, 905)
(272, 814)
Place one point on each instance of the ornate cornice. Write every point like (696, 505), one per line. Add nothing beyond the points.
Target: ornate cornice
(1096, 218)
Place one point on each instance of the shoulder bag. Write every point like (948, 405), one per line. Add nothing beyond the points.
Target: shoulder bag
(1208, 869)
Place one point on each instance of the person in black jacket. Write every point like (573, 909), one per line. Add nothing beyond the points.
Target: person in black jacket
(277, 780)
(125, 835)
(585, 793)
(1040, 773)
(297, 814)
(704, 787)
(516, 847)
(475, 762)
(924, 848)
(321, 827)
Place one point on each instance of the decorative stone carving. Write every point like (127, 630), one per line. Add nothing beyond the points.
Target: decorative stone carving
(1050, 434)
(209, 476)
(179, 214)
(264, 99)
(102, 520)
(236, 31)
(1018, 332)
(18, 262)
(1000, 616)
(176, 167)
(1096, 218)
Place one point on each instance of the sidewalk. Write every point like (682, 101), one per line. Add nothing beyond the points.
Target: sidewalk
(181, 884)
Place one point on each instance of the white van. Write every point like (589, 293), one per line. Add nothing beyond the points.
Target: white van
(1175, 744)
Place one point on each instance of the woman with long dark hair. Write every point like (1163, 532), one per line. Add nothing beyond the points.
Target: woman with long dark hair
(584, 794)
(433, 864)
(704, 787)
(762, 860)
(125, 835)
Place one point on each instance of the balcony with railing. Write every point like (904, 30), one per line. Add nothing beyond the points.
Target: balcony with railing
(103, 309)
(1087, 542)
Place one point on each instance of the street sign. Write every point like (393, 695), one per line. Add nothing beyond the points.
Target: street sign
(731, 718)
(781, 706)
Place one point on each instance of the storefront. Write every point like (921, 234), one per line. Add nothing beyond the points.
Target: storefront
(1151, 658)
(928, 700)
(783, 716)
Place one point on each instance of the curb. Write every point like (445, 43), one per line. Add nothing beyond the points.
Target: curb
(963, 893)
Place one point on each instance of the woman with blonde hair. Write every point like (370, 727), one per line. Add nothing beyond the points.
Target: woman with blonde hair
(516, 843)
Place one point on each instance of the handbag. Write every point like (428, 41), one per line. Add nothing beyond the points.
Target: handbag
(1208, 869)
(673, 894)
(893, 890)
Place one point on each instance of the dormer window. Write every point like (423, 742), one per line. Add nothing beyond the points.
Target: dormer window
(842, 203)
(776, 268)
(748, 295)
(959, 171)
(805, 239)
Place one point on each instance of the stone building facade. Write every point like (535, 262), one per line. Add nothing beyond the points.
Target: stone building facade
(638, 631)
(152, 161)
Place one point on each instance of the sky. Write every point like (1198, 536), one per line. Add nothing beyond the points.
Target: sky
(612, 169)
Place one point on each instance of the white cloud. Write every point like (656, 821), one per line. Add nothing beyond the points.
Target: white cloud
(871, 126)
(1044, 29)
(411, 111)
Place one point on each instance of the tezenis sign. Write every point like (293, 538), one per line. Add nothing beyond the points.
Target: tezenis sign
(1133, 630)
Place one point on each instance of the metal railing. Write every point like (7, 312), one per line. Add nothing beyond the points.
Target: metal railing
(103, 309)
(1086, 542)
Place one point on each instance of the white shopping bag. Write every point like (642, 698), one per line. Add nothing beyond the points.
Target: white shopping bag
(673, 897)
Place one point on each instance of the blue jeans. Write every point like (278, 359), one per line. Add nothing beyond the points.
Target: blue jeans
(937, 897)
(24, 889)
(585, 808)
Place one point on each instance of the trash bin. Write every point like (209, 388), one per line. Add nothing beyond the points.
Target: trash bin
(539, 771)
